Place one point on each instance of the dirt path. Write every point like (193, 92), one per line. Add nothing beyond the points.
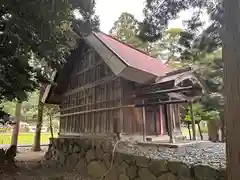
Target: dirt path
(30, 167)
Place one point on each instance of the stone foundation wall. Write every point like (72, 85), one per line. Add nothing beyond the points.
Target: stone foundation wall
(93, 158)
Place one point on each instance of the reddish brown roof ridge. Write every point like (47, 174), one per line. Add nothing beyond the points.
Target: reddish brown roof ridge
(133, 57)
(130, 46)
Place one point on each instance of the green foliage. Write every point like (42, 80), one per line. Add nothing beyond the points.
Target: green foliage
(158, 13)
(201, 113)
(30, 109)
(127, 29)
(197, 45)
(24, 138)
(197, 112)
(35, 37)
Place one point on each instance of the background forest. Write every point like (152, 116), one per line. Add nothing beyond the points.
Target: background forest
(171, 48)
(197, 45)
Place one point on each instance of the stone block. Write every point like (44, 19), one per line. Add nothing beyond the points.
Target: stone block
(61, 158)
(128, 158)
(76, 148)
(107, 159)
(107, 146)
(91, 155)
(112, 173)
(122, 168)
(145, 174)
(167, 176)
(73, 160)
(66, 148)
(142, 161)
(99, 153)
(180, 169)
(132, 171)
(86, 145)
(158, 167)
(138, 178)
(123, 177)
(205, 172)
(96, 169)
(81, 165)
(98, 144)
(118, 158)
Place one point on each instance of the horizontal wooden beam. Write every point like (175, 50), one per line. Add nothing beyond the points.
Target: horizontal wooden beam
(178, 89)
(91, 85)
(162, 103)
(89, 111)
(126, 106)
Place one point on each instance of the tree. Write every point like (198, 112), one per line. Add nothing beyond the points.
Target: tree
(16, 125)
(231, 54)
(127, 29)
(37, 139)
(35, 34)
(50, 111)
(158, 13)
(197, 46)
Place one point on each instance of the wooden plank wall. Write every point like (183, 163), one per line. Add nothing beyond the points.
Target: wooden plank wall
(91, 104)
(132, 117)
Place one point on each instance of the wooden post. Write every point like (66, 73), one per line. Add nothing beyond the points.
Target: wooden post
(161, 120)
(231, 54)
(155, 121)
(144, 122)
(193, 122)
(170, 123)
(121, 112)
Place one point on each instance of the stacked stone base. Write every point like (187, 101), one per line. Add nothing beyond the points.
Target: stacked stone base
(93, 158)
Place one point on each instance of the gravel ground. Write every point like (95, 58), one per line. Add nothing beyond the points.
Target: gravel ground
(208, 153)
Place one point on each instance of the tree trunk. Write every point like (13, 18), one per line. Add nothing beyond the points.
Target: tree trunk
(37, 139)
(223, 127)
(213, 130)
(50, 125)
(231, 56)
(15, 131)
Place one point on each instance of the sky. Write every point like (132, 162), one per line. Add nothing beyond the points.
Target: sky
(110, 10)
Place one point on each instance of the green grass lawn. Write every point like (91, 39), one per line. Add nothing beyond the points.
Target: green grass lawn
(24, 138)
(28, 138)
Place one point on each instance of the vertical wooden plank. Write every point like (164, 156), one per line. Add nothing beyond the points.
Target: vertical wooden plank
(77, 123)
(81, 122)
(94, 99)
(73, 123)
(105, 112)
(170, 123)
(155, 121)
(144, 122)
(61, 125)
(161, 120)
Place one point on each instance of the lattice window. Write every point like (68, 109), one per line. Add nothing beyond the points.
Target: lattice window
(107, 70)
(98, 73)
(102, 71)
(97, 57)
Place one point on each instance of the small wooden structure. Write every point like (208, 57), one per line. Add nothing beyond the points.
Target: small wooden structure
(107, 88)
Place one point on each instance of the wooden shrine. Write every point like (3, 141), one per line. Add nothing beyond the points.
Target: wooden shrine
(108, 88)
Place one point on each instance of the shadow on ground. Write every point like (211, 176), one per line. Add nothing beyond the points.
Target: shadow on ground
(33, 166)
